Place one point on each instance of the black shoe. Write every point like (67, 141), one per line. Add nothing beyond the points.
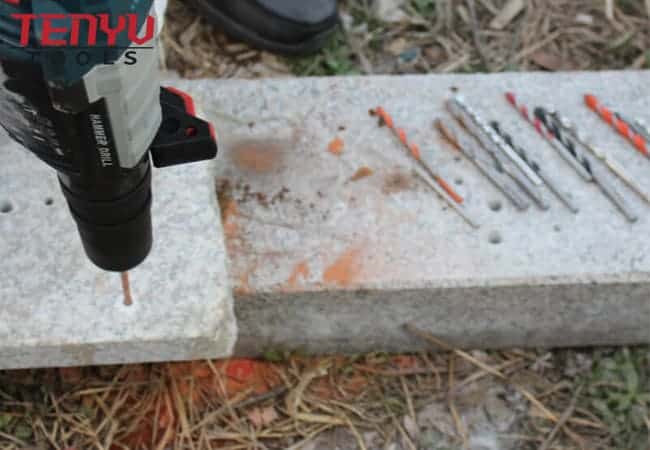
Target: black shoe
(291, 27)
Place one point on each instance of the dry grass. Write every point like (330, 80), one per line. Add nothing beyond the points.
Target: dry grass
(378, 399)
(433, 36)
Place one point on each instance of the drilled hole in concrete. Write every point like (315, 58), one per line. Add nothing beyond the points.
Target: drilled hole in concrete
(496, 205)
(557, 228)
(495, 238)
(6, 207)
(49, 201)
(459, 181)
(458, 158)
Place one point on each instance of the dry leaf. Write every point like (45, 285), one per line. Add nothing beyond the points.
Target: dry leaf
(546, 60)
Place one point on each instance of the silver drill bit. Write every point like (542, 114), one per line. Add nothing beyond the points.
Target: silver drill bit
(509, 152)
(494, 145)
(552, 184)
(468, 147)
(601, 180)
(613, 165)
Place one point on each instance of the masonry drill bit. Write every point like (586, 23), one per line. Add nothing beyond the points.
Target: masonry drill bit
(438, 190)
(621, 127)
(569, 157)
(552, 184)
(601, 180)
(495, 146)
(126, 288)
(642, 128)
(468, 147)
(442, 188)
(497, 141)
(613, 165)
(414, 150)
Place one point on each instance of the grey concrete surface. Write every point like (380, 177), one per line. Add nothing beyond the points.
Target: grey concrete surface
(320, 263)
(57, 309)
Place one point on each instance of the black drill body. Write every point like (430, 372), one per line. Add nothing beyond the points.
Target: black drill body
(101, 128)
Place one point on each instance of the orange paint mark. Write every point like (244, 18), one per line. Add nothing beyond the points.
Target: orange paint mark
(336, 146)
(345, 269)
(362, 173)
(300, 271)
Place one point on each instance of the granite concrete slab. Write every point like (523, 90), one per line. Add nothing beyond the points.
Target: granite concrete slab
(57, 309)
(326, 259)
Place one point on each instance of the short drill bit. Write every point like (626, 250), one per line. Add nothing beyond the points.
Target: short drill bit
(467, 146)
(552, 184)
(601, 180)
(613, 165)
(126, 289)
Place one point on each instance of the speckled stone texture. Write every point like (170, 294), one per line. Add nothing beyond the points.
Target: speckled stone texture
(322, 261)
(57, 309)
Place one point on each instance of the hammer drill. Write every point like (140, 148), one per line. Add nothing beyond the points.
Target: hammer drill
(80, 89)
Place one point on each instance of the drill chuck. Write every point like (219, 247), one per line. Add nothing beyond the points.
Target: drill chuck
(117, 233)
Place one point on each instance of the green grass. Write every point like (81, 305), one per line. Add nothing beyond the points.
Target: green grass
(336, 58)
(618, 390)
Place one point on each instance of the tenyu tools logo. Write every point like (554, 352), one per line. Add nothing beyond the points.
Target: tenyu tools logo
(47, 32)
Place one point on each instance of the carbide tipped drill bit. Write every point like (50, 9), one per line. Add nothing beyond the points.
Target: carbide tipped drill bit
(613, 165)
(495, 146)
(539, 127)
(467, 146)
(552, 185)
(600, 179)
(442, 188)
(441, 193)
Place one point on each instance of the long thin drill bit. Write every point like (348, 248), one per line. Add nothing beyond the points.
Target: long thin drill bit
(442, 188)
(497, 142)
(613, 165)
(619, 125)
(566, 154)
(467, 146)
(600, 178)
(126, 288)
(453, 205)
(414, 151)
(552, 184)
(495, 146)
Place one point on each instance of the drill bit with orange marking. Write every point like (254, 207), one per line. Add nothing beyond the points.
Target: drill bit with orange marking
(414, 151)
(424, 172)
(620, 125)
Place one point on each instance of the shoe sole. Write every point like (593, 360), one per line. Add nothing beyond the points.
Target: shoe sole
(242, 33)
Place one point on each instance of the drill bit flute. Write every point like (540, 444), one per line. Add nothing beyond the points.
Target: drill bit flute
(550, 123)
(616, 168)
(552, 185)
(569, 155)
(526, 178)
(467, 146)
